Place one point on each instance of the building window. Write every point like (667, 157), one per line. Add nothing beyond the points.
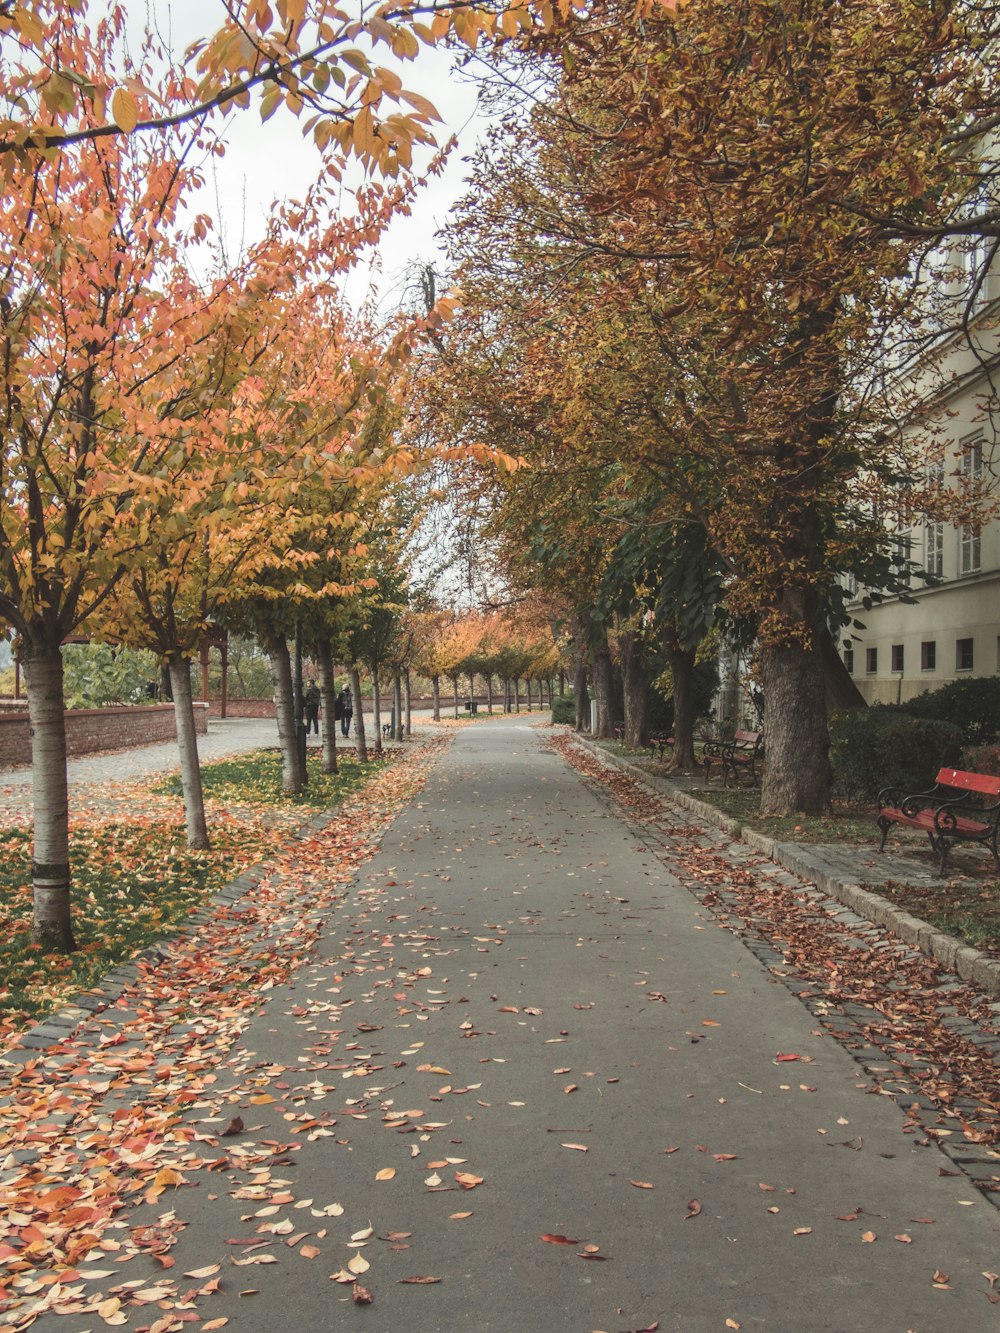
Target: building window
(934, 548)
(970, 539)
(849, 659)
(871, 660)
(897, 657)
(964, 656)
(970, 549)
(928, 655)
(934, 532)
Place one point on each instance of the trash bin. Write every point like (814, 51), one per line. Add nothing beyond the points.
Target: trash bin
(471, 706)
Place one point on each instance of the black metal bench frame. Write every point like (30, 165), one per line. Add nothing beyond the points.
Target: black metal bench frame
(945, 817)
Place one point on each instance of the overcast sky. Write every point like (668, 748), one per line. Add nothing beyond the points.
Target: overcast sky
(272, 160)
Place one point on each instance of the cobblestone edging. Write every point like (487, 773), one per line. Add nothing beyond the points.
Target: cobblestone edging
(57, 1026)
(972, 965)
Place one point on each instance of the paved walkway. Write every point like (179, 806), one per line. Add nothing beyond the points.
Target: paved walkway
(527, 1083)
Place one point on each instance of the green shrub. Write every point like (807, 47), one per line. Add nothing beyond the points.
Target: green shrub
(981, 759)
(972, 705)
(885, 746)
(564, 709)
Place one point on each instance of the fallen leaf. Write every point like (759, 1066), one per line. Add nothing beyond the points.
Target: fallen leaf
(457, 1217)
(362, 1296)
(235, 1126)
(420, 1281)
(694, 1208)
(868, 1237)
(552, 1239)
(467, 1180)
(577, 1147)
(802, 1231)
(387, 1173)
(641, 1184)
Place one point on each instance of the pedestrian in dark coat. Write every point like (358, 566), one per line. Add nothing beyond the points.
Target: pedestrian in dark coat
(311, 700)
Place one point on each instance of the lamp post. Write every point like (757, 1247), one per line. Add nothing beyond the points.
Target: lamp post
(299, 706)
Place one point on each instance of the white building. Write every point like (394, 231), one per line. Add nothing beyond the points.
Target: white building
(952, 629)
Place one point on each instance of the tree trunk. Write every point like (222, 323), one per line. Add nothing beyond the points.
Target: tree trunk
(284, 707)
(472, 688)
(360, 742)
(580, 696)
(187, 746)
(436, 690)
(397, 706)
(51, 922)
(328, 693)
(376, 708)
(682, 670)
(562, 685)
(454, 683)
(601, 664)
(797, 773)
(527, 690)
(489, 693)
(840, 690)
(407, 702)
(636, 682)
(517, 694)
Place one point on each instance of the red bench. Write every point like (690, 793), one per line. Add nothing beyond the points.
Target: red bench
(960, 807)
(740, 755)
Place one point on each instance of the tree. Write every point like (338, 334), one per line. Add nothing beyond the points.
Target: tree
(713, 185)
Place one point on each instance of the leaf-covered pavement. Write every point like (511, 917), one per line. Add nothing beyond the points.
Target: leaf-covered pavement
(517, 1078)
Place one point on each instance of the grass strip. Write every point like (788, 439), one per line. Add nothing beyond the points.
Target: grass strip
(135, 881)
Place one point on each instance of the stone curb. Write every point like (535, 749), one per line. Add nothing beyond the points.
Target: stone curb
(62, 1023)
(972, 965)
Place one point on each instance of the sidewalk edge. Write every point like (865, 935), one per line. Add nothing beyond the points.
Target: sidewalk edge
(971, 965)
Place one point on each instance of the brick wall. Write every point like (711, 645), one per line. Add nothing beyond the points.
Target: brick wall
(89, 730)
(242, 708)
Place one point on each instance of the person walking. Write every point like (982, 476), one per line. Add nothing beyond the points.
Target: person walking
(310, 701)
(346, 710)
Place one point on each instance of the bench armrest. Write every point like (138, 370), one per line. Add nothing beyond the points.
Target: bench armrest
(909, 802)
(944, 814)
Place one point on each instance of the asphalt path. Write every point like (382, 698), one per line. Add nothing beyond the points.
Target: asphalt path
(548, 1084)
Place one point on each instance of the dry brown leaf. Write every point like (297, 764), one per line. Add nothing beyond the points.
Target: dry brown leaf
(387, 1173)
(555, 1239)
(577, 1147)
(420, 1281)
(641, 1184)
(694, 1208)
(868, 1237)
(467, 1180)
(458, 1217)
(362, 1296)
